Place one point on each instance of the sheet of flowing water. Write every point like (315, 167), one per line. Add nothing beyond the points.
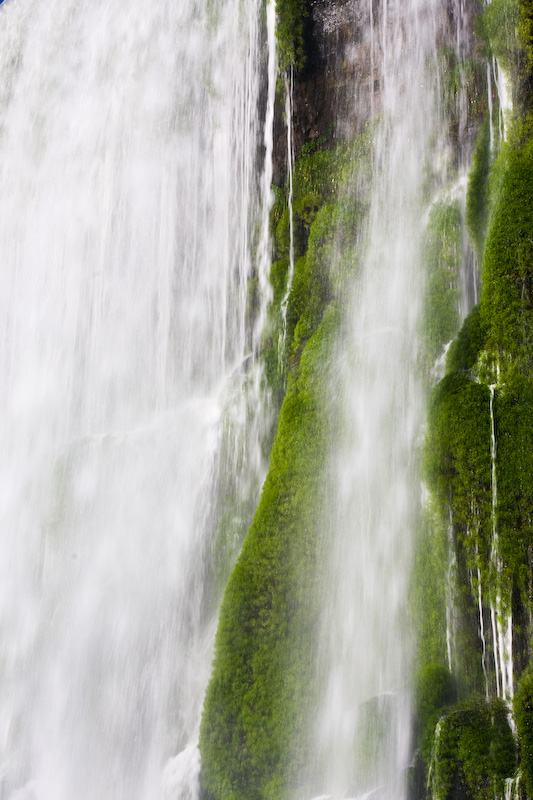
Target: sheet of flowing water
(127, 157)
(363, 731)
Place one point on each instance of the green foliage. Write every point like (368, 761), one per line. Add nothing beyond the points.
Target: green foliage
(435, 690)
(325, 216)
(461, 79)
(254, 734)
(523, 714)
(290, 32)
(494, 346)
(428, 589)
(254, 707)
(514, 436)
(506, 27)
(497, 26)
(477, 195)
(525, 33)
(507, 296)
(443, 254)
(457, 454)
(457, 463)
(474, 752)
(465, 349)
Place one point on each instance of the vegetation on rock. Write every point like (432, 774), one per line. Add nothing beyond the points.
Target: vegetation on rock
(473, 752)
(254, 731)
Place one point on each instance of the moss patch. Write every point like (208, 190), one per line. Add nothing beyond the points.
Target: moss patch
(443, 255)
(474, 752)
(255, 705)
(477, 195)
(290, 30)
(507, 296)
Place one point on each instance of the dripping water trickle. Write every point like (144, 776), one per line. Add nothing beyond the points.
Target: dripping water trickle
(289, 92)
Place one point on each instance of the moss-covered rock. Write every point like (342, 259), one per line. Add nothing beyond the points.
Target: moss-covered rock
(514, 432)
(435, 690)
(471, 340)
(523, 713)
(290, 32)
(458, 472)
(254, 723)
(477, 195)
(458, 456)
(443, 255)
(473, 752)
(507, 295)
(325, 216)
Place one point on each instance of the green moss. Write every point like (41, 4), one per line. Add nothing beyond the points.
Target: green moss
(474, 752)
(435, 690)
(428, 591)
(523, 714)
(513, 408)
(457, 455)
(465, 350)
(254, 733)
(325, 215)
(311, 288)
(506, 27)
(507, 295)
(497, 27)
(477, 195)
(457, 463)
(290, 32)
(443, 255)
(254, 707)
(458, 80)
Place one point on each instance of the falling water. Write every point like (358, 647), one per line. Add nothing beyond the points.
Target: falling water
(451, 588)
(482, 629)
(128, 138)
(289, 89)
(363, 729)
(502, 623)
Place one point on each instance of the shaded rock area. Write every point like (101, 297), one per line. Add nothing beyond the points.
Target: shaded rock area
(337, 91)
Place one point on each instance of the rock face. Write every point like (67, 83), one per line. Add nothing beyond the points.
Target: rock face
(254, 736)
(337, 91)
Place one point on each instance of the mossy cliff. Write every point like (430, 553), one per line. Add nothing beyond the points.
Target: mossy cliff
(255, 730)
(472, 595)
(263, 663)
(477, 541)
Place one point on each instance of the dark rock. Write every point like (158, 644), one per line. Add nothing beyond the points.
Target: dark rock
(338, 89)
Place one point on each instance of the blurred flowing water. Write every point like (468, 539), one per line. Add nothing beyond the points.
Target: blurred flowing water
(363, 727)
(129, 399)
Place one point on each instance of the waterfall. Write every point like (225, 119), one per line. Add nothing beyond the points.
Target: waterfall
(364, 722)
(482, 631)
(128, 153)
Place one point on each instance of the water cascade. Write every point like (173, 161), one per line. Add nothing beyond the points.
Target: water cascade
(366, 639)
(128, 153)
(482, 630)
(502, 625)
